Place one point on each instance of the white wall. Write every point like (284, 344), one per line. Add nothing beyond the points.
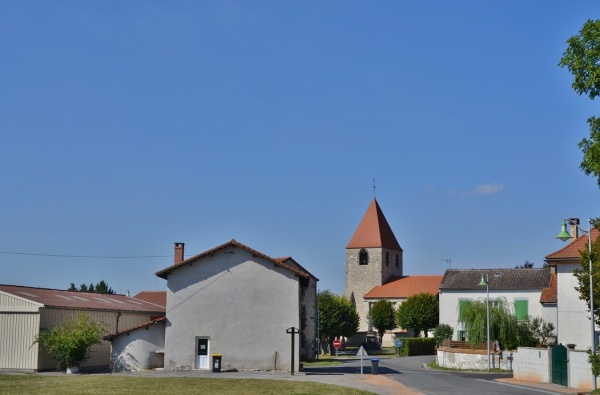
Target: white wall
(531, 364)
(580, 370)
(574, 326)
(535, 364)
(141, 349)
(242, 303)
(449, 301)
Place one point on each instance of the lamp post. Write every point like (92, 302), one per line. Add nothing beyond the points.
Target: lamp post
(564, 236)
(485, 283)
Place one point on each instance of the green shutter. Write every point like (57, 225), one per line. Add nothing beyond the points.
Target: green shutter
(521, 310)
(461, 306)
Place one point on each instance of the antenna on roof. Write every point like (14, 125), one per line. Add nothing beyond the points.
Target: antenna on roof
(448, 262)
(373, 187)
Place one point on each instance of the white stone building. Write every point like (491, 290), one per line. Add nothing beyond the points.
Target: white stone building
(574, 326)
(234, 301)
(521, 288)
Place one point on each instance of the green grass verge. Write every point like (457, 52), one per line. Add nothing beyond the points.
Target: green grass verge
(324, 361)
(107, 384)
(435, 366)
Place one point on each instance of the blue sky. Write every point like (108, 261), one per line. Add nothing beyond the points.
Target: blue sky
(128, 126)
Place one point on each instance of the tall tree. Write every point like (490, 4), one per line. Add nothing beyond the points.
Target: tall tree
(582, 59)
(383, 317)
(337, 317)
(419, 312)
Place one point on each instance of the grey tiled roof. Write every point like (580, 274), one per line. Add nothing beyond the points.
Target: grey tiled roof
(498, 278)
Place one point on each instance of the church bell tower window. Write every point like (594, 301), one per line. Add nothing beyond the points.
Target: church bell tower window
(397, 260)
(363, 257)
(387, 258)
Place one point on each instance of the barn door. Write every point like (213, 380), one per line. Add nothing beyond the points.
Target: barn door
(559, 365)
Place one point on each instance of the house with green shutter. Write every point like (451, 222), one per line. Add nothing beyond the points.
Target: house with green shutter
(525, 291)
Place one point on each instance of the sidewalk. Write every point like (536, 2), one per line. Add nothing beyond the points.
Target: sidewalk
(543, 386)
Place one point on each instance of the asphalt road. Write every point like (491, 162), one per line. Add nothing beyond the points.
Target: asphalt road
(410, 372)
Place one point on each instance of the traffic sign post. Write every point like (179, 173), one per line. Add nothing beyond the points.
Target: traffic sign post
(337, 344)
(362, 353)
(398, 344)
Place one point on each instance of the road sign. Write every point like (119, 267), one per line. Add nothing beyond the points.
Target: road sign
(361, 352)
(337, 343)
(398, 343)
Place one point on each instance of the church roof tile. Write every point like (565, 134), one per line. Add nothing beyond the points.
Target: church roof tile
(374, 231)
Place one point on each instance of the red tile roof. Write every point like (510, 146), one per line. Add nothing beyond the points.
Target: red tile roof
(374, 231)
(81, 300)
(233, 243)
(154, 321)
(549, 295)
(404, 287)
(154, 297)
(570, 253)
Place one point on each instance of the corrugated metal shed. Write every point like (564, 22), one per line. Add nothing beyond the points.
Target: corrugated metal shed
(26, 310)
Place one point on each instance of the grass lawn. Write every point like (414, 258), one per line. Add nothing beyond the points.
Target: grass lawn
(106, 384)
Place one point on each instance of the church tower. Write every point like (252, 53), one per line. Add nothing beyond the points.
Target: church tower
(373, 257)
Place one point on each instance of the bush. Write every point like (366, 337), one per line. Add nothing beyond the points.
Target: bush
(412, 346)
(441, 333)
(70, 342)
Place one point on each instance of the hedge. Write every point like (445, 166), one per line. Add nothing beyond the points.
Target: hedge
(417, 346)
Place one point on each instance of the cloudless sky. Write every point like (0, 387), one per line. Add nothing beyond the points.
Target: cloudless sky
(126, 126)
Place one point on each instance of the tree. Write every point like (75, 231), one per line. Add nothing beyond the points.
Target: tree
(103, 288)
(582, 274)
(70, 342)
(441, 333)
(419, 312)
(100, 288)
(337, 317)
(504, 326)
(542, 331)
(383, 317)
(526, 265)
(582, 59)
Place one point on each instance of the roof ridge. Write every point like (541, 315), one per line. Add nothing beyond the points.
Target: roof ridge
(164, 272)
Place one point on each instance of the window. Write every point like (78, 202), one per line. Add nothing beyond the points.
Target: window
(521, 309)
(461, 305)
(461, 335)
(387, 258)
(397, 260)
(363, 257)
(497, 303)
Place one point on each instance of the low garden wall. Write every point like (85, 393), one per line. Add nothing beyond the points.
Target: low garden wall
(535, 365)
(463, 355)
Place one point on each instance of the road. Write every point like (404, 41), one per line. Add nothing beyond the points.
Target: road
(410, 372)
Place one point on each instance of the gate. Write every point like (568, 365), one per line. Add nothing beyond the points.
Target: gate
(559, 365)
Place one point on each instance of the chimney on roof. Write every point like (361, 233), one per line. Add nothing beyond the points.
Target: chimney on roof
(179, 253)
(574, 222)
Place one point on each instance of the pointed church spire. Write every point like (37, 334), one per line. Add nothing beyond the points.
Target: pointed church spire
(374, 231)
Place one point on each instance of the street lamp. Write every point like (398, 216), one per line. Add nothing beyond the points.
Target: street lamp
(485, 283)
(564, 236)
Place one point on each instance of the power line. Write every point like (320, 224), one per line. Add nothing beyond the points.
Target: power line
(85, 256)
